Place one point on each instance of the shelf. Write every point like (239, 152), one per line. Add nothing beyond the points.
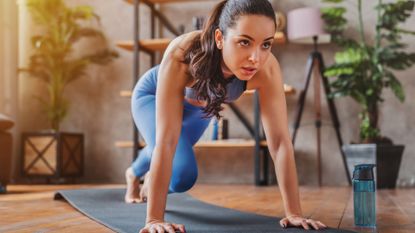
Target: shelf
(149, 45)
(163, 1)
(128, 144)
(231, 143)
(126, 94)
(289, 90)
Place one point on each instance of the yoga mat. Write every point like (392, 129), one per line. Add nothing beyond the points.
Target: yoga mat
(107, 207)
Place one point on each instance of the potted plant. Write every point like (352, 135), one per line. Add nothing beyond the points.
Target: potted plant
(54, 153)
(362, 70)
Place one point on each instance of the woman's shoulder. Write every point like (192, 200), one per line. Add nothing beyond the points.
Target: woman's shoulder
(271, 67)
(180, 44)
(263, 77)
(174, 55)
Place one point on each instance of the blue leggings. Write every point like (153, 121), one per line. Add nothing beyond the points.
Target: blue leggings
(143, 105)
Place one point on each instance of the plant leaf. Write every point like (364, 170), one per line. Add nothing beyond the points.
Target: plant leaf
(85, 32)
(396, 86)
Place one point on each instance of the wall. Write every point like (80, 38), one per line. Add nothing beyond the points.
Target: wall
(8, 63)
(104, 117)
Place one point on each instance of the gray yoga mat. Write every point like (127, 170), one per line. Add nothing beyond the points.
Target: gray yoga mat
(107, 207)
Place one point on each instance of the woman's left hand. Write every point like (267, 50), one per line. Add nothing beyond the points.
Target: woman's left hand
(298, 221)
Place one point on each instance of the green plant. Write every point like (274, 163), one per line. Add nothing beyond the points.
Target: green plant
(363, 69)
(53, 60)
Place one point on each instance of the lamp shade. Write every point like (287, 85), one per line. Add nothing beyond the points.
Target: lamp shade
(305, 23)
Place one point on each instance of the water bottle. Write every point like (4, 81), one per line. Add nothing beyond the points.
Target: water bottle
(364, 194)
(2, 189)
(220, 129)
(215, 130)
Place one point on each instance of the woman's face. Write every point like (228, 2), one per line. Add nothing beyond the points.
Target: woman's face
(246, 46)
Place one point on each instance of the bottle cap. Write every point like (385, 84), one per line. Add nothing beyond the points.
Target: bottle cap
(363, 172)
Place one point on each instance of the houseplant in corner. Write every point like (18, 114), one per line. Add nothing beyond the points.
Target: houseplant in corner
(53, 153)
(362, 70)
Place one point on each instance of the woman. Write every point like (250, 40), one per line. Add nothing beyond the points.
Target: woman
(200, 71)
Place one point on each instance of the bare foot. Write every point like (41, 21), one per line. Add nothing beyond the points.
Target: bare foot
(132, 194)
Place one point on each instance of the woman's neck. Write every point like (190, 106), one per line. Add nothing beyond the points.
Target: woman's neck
(225, 70)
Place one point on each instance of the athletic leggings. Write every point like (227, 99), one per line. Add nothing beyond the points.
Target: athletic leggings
(143, 105)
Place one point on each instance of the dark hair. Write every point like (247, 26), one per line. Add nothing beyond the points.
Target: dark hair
(204, 58)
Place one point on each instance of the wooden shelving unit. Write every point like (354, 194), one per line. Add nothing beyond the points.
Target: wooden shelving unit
(154, 45)
(148, 45)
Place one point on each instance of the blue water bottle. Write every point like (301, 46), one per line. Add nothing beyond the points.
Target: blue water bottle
(364, 195)
(215, 131)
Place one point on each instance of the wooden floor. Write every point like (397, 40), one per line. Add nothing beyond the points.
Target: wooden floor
(32, 209)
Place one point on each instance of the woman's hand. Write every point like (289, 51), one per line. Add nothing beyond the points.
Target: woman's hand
(162, 227)
(298, 221)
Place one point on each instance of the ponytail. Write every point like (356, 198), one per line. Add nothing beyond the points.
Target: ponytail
(204, 60)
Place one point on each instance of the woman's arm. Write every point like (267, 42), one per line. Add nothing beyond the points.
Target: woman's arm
(274, 118)
(275, 123)
(171, 82)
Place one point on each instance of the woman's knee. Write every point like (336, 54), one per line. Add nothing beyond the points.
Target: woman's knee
(183, 180)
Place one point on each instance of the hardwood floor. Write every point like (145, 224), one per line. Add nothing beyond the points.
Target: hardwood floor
(31, 208)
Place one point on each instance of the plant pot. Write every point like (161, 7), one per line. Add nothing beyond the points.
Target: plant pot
(386, 157)
(52, 154)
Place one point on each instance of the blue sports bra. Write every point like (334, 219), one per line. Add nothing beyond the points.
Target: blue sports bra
(234, 90)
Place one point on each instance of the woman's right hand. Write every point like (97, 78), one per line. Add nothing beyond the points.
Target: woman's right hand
(162, 227)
